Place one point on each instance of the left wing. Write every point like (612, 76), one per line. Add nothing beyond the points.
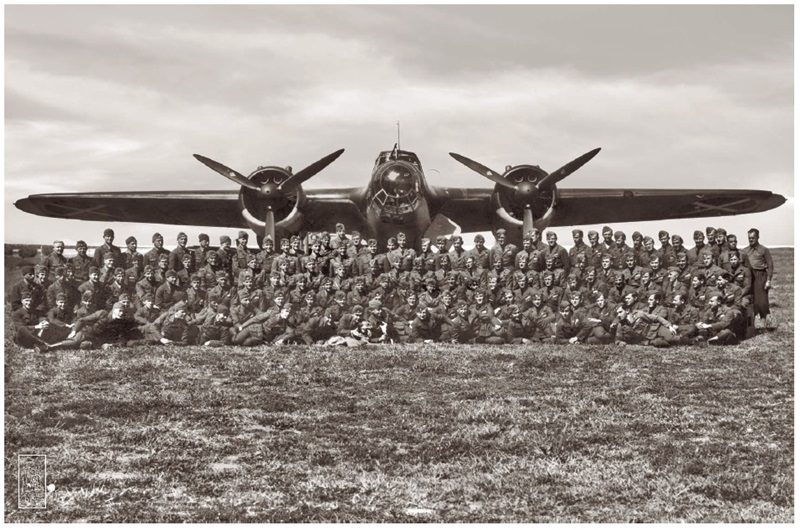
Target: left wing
(321, 209)
(204, 208)
(589, 206)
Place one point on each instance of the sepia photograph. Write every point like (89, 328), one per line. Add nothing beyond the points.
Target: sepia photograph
(399, 264)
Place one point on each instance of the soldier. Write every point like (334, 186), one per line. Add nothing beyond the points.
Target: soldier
(54, 259)
(81, 262)
(594, 250)
(694, 253)
(225, 257)
(107, 246)
(480, 252)
(557, 252)
(599, 320)
(458, 256)
(132, 260)
(153, 256)
(202, 251)
(426, 327)
(608, 238)
(685, 317)
(29, 323)
(640, 327)
(667, 253)
(28, 286)
(578, 247)
(731, 246)
(165, 293)
(760, 260)
(718, 321)
(176, 261)
(100, 297)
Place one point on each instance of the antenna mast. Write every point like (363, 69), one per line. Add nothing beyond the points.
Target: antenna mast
(398, 135)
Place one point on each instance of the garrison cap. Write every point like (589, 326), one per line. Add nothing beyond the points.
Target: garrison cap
(108, 232)
(129, 240)
(60, 271)
(222, 309)
(27, 269)
(564, 305)
(224, 239)
(203, 237)
(171, 274)
(648, 238)
(722, 231)
(220, 274)
(662, 233)
(340, 295)
(636, 235)
(358, 309)
(61, 297)
(87, 296)
(619, 233)
(577, 232)
(501, 231)
(148, 296)
(698, 233)
(710, 230)
(676, 237)
(375, 304)
(108, 255)
(148, 268)
(607, 230)
(714, 294)
(26, 294)
(119, 270)
(550, 233)
(242, 235)
(81, 244)
(182, 234)
(93, 269)
(479, 237)
(124, 297)
(157, 236)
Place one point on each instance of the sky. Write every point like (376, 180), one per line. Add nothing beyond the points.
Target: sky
(118, 98)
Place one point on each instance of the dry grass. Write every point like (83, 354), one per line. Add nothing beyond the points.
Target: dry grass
(411, 433)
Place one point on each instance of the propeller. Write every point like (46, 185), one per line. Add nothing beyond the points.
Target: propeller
(483, 170)
(228, 173)
(560, 174)
(270, 192)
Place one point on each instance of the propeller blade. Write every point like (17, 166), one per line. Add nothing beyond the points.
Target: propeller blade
(228, 173)
(269, 229)
(304, 174)
(562, 173)
(527, 221)
(483, 170)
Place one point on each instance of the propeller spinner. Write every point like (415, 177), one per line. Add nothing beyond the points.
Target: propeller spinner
(525, 192)
(271, 193)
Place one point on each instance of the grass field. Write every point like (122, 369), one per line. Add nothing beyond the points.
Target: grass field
(411, 433)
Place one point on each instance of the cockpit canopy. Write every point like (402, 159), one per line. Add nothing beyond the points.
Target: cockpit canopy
(397, 154)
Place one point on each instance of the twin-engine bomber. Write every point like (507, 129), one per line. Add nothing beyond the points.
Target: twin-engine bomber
(272, 202)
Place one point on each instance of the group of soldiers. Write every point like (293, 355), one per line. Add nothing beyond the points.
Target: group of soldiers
(339, 289)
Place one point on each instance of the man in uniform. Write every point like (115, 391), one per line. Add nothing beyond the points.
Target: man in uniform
(176, 256)
(81, 262)
(578, 247)
(132, 260)
(54, 259)
(107, 246)
(760, 260)
(154, 254)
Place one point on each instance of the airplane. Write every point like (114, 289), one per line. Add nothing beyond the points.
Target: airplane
(272, 202)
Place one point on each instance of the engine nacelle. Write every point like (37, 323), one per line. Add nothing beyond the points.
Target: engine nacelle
(509, 204)
(254, 205)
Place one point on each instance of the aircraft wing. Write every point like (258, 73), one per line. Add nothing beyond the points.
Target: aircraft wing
(471, 208)
(589, 206)
(321, 208)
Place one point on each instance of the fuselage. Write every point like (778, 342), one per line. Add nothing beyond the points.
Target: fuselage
(397, 197)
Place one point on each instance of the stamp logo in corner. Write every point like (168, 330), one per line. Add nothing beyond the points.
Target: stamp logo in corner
(32, 482)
